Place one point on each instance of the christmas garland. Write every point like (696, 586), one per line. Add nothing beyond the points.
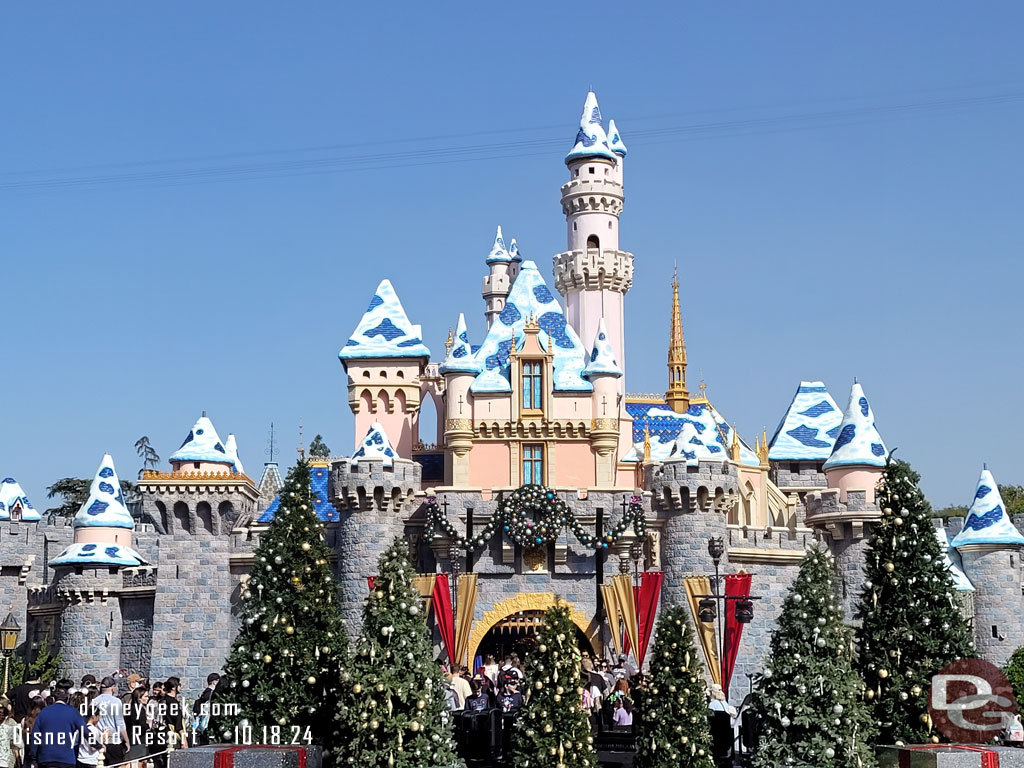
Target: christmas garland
(534, 516)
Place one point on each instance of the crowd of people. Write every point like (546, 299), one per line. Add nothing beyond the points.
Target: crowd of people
(123, 720)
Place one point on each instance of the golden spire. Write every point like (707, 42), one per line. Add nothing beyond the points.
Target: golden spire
(647, 444)
(449, 343)
(762, 450)
(677, 396)
(734, 449)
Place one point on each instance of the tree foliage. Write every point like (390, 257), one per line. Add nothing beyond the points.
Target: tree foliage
(911, 626)
(318, 448)
(393, 713)
(287, 663)
(1012, 495)
(671, 717)
(809, 699)
(551, 729)
(1014, 671)
(146, 452)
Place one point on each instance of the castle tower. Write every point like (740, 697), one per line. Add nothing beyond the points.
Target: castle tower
(846, 509)
(203, 451)
(517, 260)
(459, 369)
(385, 357)
(604, 373)
(990, 546)
(593, 274)
(677, 396)
(497, 282)
(88, 579)
(14, 504)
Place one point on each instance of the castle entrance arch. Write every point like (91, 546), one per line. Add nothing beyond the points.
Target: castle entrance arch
(510, 625)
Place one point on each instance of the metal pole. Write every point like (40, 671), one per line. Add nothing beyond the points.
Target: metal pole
(720, 591)
(7, 669)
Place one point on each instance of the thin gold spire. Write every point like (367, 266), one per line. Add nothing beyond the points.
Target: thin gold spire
(449, 343)
(677, 396)
(647, 444)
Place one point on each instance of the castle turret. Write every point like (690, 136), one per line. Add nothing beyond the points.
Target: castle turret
(677, 396)
(459, 369)
(14, 504)
(990, 546)
(604, 373)
(593, 274)
(203, 451)
(517, 260)
(385, 357)
(498, 279)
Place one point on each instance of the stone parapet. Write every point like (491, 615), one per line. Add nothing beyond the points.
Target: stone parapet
(593, 270)
(707, 486)
(368, 484)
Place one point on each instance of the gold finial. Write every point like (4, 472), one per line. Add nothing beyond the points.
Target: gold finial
(762, 451)
(677, 396)
(647, 443)
(734, 449)
(449, 343)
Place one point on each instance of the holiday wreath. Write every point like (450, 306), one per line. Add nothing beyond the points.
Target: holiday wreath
(533, 516)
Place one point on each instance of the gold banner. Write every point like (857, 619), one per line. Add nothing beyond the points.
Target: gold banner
(611, 609)
(700, 585)
(622, 585)
(464, 610)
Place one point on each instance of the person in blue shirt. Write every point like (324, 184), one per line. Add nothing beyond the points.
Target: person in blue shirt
(56, 734)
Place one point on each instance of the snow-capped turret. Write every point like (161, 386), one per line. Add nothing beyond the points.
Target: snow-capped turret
(691, 447)
(858, 442)
(615, 141)
(384, 330)
(513, 250)
(103, 525)
(375, 445)
(987, 521)
(810, 427)
(203, 451)
(591, 140)
(14, 504)
(497, 280)
(953, 562)
(231, 446)
(460, 358)
(499, 253)
(602, 356)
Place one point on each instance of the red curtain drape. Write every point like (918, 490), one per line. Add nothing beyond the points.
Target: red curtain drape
(737, 585)
(442, 599)
(647, 596)
(370, 581)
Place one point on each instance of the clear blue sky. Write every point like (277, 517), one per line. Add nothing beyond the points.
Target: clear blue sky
(197, 200)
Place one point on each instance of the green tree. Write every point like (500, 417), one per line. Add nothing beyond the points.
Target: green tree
(318, 448)
(44, 667)
(551, 729)
(671, 717)
(1014, 671)
(809, 698)
(910, 625)
(146, 452)
(287, 663)
(73, 492)
(1013, 498)
(393, 714)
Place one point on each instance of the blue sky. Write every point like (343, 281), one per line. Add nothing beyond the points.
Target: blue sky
(198, 199)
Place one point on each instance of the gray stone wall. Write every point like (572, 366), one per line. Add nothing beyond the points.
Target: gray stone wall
(90, 627)
(998, 615)
(136, 634)
(798, 475)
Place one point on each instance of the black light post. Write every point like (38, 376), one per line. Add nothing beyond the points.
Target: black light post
(9, 632)
(708, 612)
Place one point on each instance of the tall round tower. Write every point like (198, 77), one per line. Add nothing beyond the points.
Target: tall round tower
(459, 369)
(603, 372)
(498, 280)
(593, 274)
(990, 547)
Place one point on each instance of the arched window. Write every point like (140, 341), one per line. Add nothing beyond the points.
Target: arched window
(205, 515)
(181, 521)
(593, 243)
(161, 509)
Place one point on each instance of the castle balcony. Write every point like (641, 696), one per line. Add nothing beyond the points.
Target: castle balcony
(708, 486)
(833, 511)
(370, 484)
(593, 269)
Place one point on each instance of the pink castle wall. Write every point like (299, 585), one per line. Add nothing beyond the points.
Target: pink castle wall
(854, 479)
(98, 535)
(574, 465)
(489, 465)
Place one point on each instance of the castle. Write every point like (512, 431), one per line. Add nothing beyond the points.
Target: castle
(540, 400)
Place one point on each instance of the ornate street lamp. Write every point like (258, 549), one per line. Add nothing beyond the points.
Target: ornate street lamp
(9, 632)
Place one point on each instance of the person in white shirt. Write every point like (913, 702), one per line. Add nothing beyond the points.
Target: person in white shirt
(491, 669)
(461, 686)
(111, 711)
(91, 746)
(11, 742)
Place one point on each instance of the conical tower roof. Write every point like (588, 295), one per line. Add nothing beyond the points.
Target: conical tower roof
(203, 444)
(602, 357)
(105, 507)
(384, 330)
(499, 253)
(810, 427)
(615, 141)
(460, 358)
(591, 140)
(953, 561)
(231, 446)
(11, 495)
(375, 445)
(513, 250)
(987, 521)
(858, 442)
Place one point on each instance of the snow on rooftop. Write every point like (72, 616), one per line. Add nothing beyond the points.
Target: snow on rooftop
(375, 446)
(602, 357)
(953, 561)
(499, 253)
(810, 426)
(591, 140)
(104, 555)
(665, 427)
(858, 442)
(105, 507)
(203, 444)
(615, 141)
(384, 330)
(987, 521)
(461, 358)
(11, 496)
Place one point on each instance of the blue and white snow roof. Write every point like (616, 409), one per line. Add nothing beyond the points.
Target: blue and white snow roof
(499, 253)
(602, 358)
(810, 427)
(12, 495)
(375, 446)
(591, 140)
(987, 521)
(691, 448)
(858, 442)
(665, 427)
(615, 141)
(513, 250)
(103, 555)
(105, 507)
(325, 511)
(461, 358)
(953, 561)
(232, 450)
(203, 444)
(530, 297)
(384, 330)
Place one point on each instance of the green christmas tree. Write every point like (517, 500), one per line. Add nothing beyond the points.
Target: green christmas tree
(911, 625)
(671, 716)
(809, 699)
(551, 729)
(1014, 671)
(287, 662)
(393, 714)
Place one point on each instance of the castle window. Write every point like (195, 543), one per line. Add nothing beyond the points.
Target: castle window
(195, 465)
(16, 513)
(591, 170)
(995, 632)
(533, 389)
(795, 467)
(533, 464)
(593, 243)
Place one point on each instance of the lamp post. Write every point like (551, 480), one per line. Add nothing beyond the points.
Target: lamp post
(708, 612)
(454, 554)
(9, 632)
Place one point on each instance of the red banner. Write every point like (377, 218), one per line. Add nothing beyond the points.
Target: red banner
(370, 581)
(647, 596)
(442, 599)
(736, 585)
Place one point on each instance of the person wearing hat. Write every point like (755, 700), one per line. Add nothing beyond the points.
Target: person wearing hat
(134, 681)
(111, 711)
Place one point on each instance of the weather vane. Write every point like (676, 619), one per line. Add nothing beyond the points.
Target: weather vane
(270, 448)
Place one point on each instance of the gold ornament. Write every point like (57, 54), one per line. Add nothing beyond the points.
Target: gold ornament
(357, 688)
(311, 680)
(883, 673)
(889, 567)
(305, 546)
(289, 630)
(266, 659)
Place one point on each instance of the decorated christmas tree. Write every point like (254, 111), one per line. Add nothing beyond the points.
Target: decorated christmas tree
(393, 713)
(809, 699)
(671, 717)
(911, 625)
(552, 730)
(286, 664)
